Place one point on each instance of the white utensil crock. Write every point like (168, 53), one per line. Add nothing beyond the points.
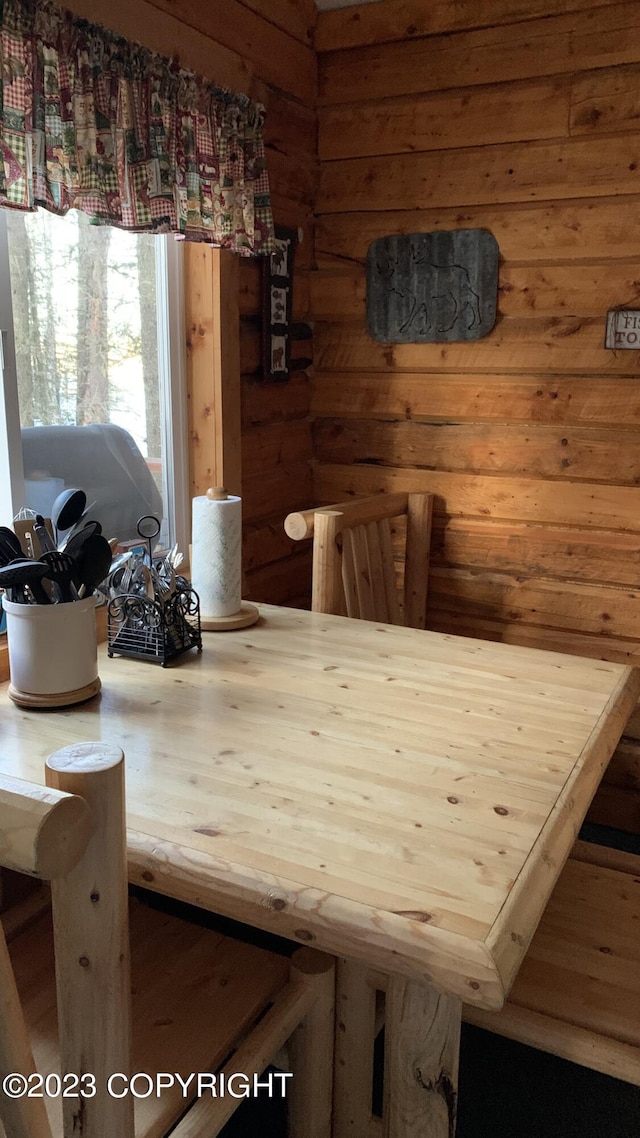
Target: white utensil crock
(53, 658)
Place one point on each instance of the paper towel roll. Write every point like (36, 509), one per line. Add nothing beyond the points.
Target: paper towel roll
(216, 556)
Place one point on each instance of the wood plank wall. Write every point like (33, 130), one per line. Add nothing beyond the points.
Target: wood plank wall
(264, 48)
(521, 117)
(530, 437)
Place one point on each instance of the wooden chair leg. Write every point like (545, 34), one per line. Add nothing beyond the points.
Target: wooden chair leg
(355, 1038)
(422, 1046)
(310, 1096)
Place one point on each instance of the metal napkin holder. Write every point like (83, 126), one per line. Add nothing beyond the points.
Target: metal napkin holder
(148, 629)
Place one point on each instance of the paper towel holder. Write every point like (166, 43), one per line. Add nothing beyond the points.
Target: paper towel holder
(248, 613)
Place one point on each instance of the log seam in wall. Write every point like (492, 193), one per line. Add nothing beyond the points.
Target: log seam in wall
(526, 232)
(400, 19)
(297, 17)
(535, 171)
(552, 45)
(268, 49)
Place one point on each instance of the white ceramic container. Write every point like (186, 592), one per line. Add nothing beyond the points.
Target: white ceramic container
(53, 658)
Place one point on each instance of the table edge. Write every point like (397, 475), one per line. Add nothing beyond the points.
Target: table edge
(386, 941)
(514, 927)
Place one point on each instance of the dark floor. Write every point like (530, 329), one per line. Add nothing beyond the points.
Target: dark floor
(506, 1091)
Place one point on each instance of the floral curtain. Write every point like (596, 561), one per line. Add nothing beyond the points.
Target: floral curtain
(92, 122)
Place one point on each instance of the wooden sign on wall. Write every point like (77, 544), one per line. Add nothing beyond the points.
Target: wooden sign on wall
(432, 287)
(623, 328)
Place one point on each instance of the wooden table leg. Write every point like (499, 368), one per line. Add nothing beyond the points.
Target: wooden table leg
(355, 1038)
(422, 1045)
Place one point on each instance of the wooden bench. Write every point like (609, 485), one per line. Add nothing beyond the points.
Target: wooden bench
(577, 994)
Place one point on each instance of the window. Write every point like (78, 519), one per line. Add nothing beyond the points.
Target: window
(92, 346)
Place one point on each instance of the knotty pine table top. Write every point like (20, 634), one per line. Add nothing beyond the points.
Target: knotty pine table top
(401, 797)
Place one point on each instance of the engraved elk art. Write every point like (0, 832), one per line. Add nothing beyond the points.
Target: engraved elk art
(279, 258)
(439, 296)
(278, 360)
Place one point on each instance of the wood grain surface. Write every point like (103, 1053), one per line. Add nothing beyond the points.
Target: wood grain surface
(400, 797)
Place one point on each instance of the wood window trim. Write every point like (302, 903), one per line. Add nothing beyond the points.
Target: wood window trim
(212, 317)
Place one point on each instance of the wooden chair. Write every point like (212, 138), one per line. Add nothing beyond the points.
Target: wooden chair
(194, 999)
(353, 557)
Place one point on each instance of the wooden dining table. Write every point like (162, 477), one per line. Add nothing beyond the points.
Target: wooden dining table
(403, 799)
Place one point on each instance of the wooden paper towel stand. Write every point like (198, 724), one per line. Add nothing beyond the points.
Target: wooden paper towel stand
(247, 614)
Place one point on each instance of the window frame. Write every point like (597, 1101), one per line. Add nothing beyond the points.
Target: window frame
(173, 390)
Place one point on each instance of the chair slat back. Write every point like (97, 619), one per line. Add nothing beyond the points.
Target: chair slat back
(390, 587)
(354, 570)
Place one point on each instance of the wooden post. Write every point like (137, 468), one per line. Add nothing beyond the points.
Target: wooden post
(355, 1038)
(327, 592)
(212, 316)
(422, 1046)
(90, 918)
(311, 1089)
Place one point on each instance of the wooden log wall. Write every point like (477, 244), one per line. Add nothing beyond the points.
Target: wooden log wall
(521, 118)
(263, 48)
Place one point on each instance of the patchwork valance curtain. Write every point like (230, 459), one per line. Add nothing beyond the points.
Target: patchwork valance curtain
(92, 122)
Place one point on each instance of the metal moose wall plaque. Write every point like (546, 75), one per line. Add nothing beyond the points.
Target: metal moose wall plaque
(432, 287)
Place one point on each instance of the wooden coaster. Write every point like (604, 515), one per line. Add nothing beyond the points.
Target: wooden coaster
(247, 614)
(59, 699)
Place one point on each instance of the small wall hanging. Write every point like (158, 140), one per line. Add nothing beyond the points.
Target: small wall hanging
(277, 287)
(432, 287)
(623, 329)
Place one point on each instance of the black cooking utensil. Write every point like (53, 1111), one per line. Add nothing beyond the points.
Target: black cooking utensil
(79, 525)
(75, 543)
(67, 509)
(92, 564)
(19, 574)
(47, 544)
(10, 547)
(61, 570)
